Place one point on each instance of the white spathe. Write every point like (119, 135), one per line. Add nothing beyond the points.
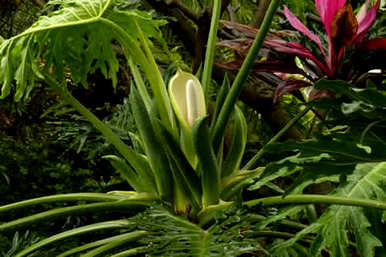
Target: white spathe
(187, 98)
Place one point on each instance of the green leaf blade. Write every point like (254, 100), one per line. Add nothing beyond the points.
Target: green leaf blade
(210, 177)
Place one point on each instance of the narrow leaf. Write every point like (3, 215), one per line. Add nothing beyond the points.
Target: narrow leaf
(236, 151)
(207, 162)
(157, 158)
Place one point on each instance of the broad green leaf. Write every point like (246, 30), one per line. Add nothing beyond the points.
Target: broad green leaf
(339, 223)
(75, 40)
(368, 95)
(336, 149)
(324, 158)
(275, 170)
(367, 182)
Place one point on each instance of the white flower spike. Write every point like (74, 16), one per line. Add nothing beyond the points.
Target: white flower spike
(187, 98)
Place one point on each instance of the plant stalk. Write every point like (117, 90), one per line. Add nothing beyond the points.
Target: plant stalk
(311, 199)
(260, 153)
(122, 148)
(242, 76)
(210, 48)
(97, 197)
(118, 206)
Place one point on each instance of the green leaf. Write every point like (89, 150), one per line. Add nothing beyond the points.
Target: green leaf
(76, 39)
(236, 151)
(210, 177)
(324, 158)
(369, 95)
(367, 182)
(140, 180)
(339, 223)
(190, 179)
(157, 158)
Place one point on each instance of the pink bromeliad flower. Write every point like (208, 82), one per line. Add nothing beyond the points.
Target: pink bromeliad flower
(343, 29)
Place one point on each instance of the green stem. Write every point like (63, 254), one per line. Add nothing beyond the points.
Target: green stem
(149, 66)
(242, 75)
(99, 197)
(159, 88)
(210, 48)
(277, 234)
(311, 199)
(116, 244)
(132, 251)
(119, 206)
(260, 153)
(93, 244)
(101, 226)
(284, 222)
(140, 84)
(122, 148)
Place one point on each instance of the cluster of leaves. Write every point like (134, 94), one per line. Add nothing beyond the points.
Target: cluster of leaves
(350, 153)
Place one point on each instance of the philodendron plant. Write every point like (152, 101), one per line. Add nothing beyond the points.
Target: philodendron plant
(182, 177)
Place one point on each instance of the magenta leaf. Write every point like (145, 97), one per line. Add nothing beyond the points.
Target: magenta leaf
(295, 49)
(297, 24)
(365, 24)
(327, 10)
(285, 67)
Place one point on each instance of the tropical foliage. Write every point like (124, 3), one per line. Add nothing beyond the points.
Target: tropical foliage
(196, 184)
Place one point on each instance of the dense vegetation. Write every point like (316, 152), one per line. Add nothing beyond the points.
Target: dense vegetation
(192, 128)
